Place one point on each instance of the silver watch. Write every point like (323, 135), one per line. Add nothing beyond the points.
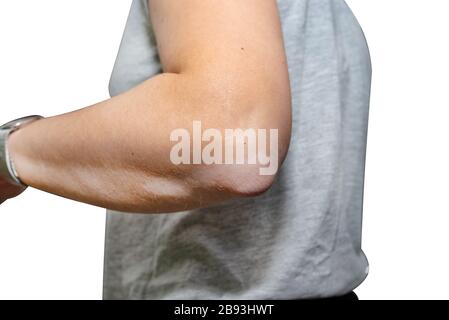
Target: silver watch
(7, 170)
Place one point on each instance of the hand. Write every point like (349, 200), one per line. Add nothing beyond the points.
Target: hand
(8, 190)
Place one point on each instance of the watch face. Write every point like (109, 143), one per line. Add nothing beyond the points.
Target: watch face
(19, 122)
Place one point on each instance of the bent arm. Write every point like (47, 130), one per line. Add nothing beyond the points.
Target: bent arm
(224, 65)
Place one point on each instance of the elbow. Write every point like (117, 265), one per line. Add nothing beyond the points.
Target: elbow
(242, 181)
(262, 142)
(252, 155)
(250, 184)
(253, 178)
(234, 181)
(250, 117)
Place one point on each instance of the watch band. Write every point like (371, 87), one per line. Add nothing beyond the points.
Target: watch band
(7, 170)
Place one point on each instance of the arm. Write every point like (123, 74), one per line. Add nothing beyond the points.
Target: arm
(223, 64)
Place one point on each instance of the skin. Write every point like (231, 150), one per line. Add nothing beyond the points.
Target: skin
(223, 64)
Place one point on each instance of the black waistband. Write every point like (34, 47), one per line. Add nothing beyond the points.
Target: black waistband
(349, 296)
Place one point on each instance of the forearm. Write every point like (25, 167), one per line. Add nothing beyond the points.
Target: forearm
(116, 154)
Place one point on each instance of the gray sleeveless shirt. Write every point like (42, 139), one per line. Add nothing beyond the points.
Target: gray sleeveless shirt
(301, 239)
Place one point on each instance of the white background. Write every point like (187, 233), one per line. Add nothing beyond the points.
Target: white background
(57, 56)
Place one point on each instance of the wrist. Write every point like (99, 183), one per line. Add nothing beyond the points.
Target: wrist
(8, 169)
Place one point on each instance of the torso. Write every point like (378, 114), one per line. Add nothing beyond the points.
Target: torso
(300, 239)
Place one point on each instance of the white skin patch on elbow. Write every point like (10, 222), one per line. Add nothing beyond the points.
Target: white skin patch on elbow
(165, 187)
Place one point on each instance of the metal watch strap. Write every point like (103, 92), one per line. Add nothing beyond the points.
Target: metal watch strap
(6, 168)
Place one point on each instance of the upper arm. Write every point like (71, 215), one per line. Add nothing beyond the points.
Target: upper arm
(193, 34)
(233, 46)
